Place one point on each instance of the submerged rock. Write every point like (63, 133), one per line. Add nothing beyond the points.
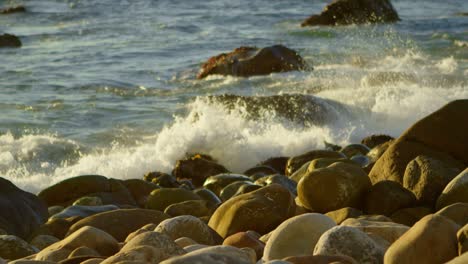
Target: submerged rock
(250, 61)
(11, 10)
(9, 41)
(345, 12)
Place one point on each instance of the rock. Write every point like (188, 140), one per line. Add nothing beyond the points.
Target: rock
(156, 240)
(462, 237)
(345, 12)
(375, 140)
(277, 163)
(93, 261)
(197, 169)
(246, 188)
(250, 61)
(88, 201)
(426, 177)
(320, 259)
(86, 236)
(321, 163)
(43, 241)
(363, 161)
(457, 212)
(294, 163)
(297, 236)
(57, 227)
(351, 242)
(455, 191)
(209, 196)
(409, 216)
(11, 10)
(440, 135)
(196, 208)
(355, 149)
(261, 170)
(246, 239)
(231, 189)
(217, 183)
(186, 226)
(337, 186)
(344, 213)
(13, 247)
(140, 189)
(139, 254)
(214, 255)
(120, 223)
(160, 199)
(375, 153)
(433, 232)
(83, 251)
(387, 230)
(83, 211)
(9, 41)
(280, 179)
(185, 241)
(55, 210)
(111, 191)
(21, 212)
(261, 211)
(459, 260)
(386, 197)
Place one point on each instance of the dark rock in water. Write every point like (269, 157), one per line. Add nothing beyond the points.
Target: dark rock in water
(11, 10)
(111, 191)
(9, 41)
(160, 199)
(218, 182)
(250, 61)
(294, 163)
(345, 12)
(277, 163)
(21, 213)
(197, 168)
(299, 108)
(386, 197)
(375, 140)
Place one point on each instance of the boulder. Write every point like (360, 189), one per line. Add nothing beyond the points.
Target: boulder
(457, 212)
(440, 135)
(426, 177)
(250, 61)
(160, 199)
(13, 247)
(215, 255)
(120, 223)
(111, 191)
(217, 183)
(462, 237)
(434, 233)
(83, 211)
(345, 12)
(387, 230)
(186, 226)
(196, 208)
(261, 211)
(337, 186)
(246, 239)
(294, 163)
(386, 197)
(455, 191)
(344, 213)
(21, 212)
(409, 216)
(197, 168)
(297, 236)
(9, 41)
(375, 140)
(351, 242)
(86, 236)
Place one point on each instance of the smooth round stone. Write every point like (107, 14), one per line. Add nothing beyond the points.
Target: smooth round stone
(13, 247)
(375, 140)
(277, 163)
(351, 242)
(261, 170)
(457, 212)
(160, 199)
(231, 189)
(409, 216)
(43, 241)
(186, 226)
(386, 197)
(294, 163)
(88, 201)
(55, 210)
(455, 191)
(387, 230)
(344, 213)
(280, 179)
(208, 196)
(462, 237)
(355, 149)
(196, 208)
(297, 236)
(185, 241)
(83, 211)
(218, 182)
(156, 240)
(320, 259)
(361, 160)
(246, 239)
(215, 255)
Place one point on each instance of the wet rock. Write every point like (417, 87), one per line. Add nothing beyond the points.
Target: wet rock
(462, 237)
(43, 241)
(297, 236)
(13, 247)
(426, 177)
(21, 212)
(455, 191)
(375, 140)
(83, 211)
(218, 182)
(457, 212)
(355, 149)
(351, 242)
(160, 199)
(120, 223)
(209, 196)
(140, 189)
(88, 201)
(261, 211)
(111, 191)
(86, 236)
(387, 230)
(279, 179)
(250, 61)
(434, 233)
(246, 239)
(344, 213)
(337, 186)
(196, 208)
(9, 41)
(186, 226)
(294, 163)
(277, 163)
(215, 255)
(197, 169)
(13, 9)
(386, 197)
(345, 12)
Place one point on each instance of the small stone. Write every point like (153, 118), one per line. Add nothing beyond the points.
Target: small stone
(209, 196)
(138, 254)
(186, 226)
(13, 247)
(320, 259)
(9, 41)
(55, 210)
(280, 179)
(197, 169)
(155, 240)
(83, 251)
(277, 163)
(231, 189)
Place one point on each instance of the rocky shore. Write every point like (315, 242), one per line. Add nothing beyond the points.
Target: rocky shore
(382, 200)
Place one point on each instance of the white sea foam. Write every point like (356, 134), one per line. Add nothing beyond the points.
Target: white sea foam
(447, 65)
